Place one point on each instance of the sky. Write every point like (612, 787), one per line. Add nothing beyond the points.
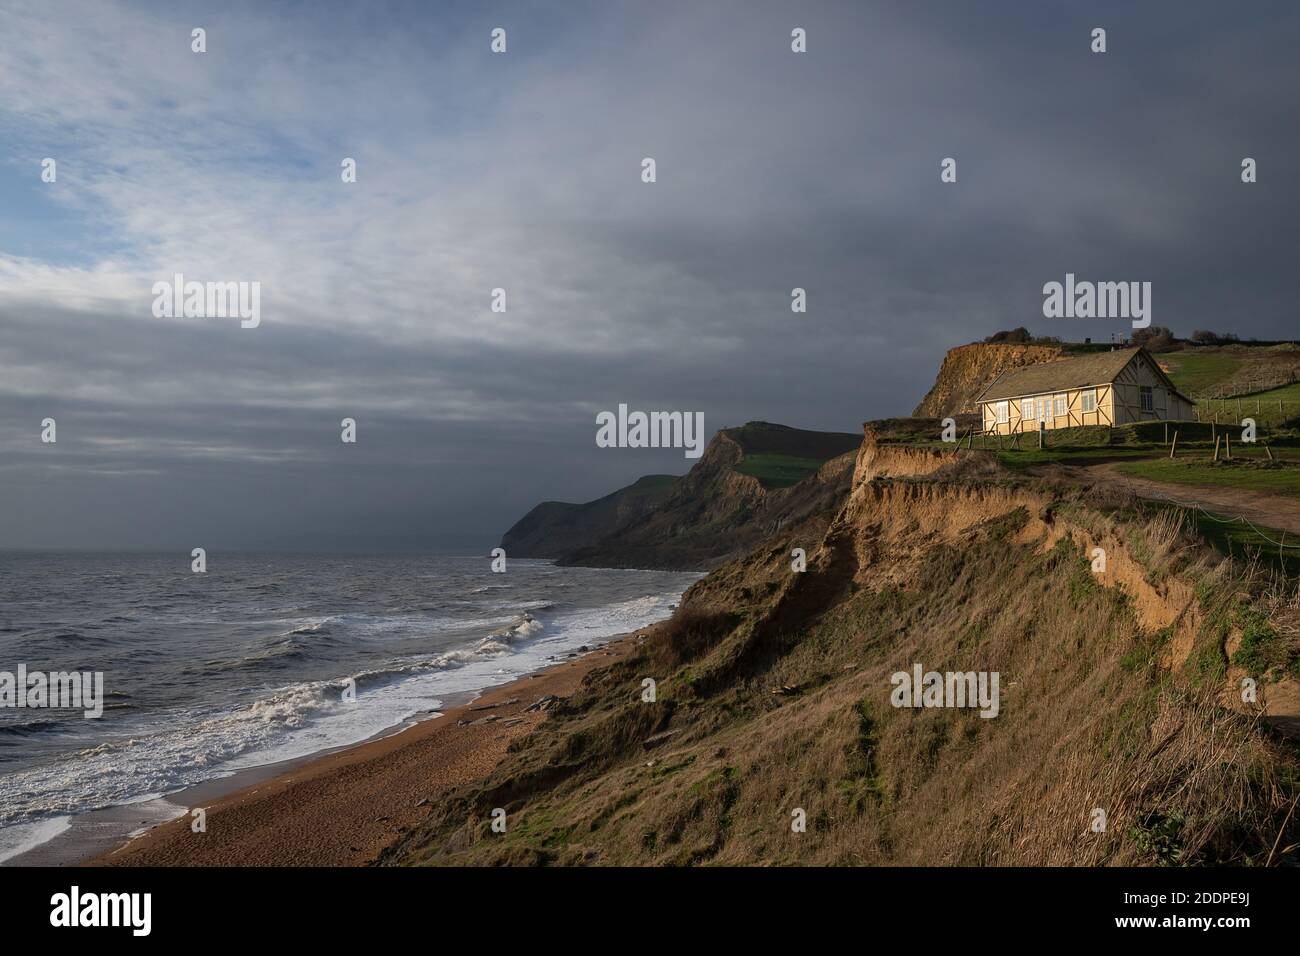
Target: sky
(522, 170)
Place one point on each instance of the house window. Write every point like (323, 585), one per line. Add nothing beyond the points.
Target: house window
(1090, 401)
(1058, 405)
(1002, 413)
(1026, 408)
(1144, 392)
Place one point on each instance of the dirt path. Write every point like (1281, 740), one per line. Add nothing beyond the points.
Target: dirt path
(1263, 509)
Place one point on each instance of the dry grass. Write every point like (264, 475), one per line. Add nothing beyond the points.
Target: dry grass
(687, 635)
(780, 703)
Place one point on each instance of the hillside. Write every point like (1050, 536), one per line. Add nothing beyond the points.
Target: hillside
(555, 528)
(1230, 370)
(1118, 695)
(750, 482)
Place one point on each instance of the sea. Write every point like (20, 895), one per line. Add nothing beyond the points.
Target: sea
(265, 658)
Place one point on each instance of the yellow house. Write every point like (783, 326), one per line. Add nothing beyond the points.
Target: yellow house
(1104, 388)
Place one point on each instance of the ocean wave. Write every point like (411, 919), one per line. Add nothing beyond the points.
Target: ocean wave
(401, 664)
(27, 728)
(525, 625)
(311, 626)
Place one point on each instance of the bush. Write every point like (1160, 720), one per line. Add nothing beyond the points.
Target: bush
(1016, 336)
(1205, 337)
(689, 634)
(1154, 338)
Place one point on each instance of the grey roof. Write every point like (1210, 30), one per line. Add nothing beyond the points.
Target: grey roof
(1081, 371)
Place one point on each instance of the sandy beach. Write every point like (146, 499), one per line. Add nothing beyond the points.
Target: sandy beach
(345, 808)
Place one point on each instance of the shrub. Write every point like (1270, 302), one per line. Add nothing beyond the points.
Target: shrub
(689, 634)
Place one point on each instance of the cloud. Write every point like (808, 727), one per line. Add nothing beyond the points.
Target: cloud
(521, 171)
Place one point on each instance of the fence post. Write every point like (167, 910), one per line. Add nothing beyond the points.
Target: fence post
(1174, 447)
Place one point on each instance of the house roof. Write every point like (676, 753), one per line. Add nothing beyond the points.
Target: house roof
(1081, 371)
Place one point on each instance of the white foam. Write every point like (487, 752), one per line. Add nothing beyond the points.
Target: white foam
(21, 837)
(185, 748)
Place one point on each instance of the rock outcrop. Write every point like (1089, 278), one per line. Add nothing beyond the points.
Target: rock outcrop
(968, 369)
(739, 492)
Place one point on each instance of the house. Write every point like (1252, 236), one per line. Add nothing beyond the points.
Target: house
(1103, 388)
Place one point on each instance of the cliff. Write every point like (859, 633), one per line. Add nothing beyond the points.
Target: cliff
(556, 528)
(1118, 693)
(751, 482)
(968, 369)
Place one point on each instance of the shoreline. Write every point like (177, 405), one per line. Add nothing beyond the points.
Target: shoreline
(91, 834)
(340, 807)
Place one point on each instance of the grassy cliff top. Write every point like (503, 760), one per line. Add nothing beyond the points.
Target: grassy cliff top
(780, 456)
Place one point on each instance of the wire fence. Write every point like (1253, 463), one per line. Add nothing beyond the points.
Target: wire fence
(1221, 519)
(1212, 409)
(1250, 385)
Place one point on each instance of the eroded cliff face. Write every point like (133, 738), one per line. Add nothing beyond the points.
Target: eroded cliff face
(968, 369)
(774, 696)
(888, 520)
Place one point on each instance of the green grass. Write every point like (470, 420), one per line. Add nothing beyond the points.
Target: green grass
(1192, 372)
(778, 471)
(1030, 457)
(1239, 540)
(1262, 407)
(1262, 648)
(1136, 440)
(1288, 393)
(1253, 474)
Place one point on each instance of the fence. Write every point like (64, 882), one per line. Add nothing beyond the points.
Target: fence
(1241, 387)
(1232, 410)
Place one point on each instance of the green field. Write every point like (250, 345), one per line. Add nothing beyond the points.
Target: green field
(1194, 372)
(1263, 407)
(778, 471)
(779, 456)
(1253, 473)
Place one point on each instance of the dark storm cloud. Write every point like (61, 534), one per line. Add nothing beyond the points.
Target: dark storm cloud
(776, 170)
